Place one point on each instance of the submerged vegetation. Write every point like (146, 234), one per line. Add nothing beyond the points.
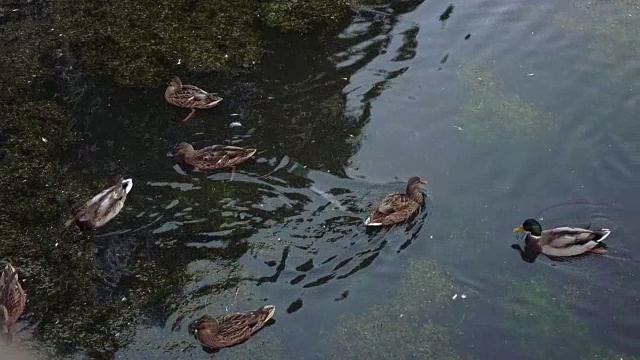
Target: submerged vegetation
(140, 42)
(403, 329)
(75, 303)
(489, 112)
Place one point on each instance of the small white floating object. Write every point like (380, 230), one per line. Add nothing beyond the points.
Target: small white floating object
(458, 127)
(235, 124)
(179, 61)
(235, 114)
(530, 74)
(44, 140)
(454, 297)
(463, 296)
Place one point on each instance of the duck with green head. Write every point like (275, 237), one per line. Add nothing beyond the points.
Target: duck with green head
(562, 241)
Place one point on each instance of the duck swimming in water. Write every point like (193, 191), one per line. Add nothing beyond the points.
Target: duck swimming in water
(562, 241)
(12, 300)
(100, 209)
(232, 329)
(189, 96)
(398, 207)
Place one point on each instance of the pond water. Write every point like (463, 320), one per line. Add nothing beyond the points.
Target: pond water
(509, 110)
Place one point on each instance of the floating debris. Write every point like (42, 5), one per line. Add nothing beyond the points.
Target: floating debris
(235, 124)
(454, 297)
(530, 74)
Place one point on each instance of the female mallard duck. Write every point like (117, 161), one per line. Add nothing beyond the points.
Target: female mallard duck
(230, 329)
(398, 207)
(103, 207)
(562, 241)
(212, 157)
(12, 300)
(189, 96)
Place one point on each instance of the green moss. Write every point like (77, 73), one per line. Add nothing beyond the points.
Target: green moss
(490, 113)
(610, 26)
(424, 286)
(376, 334)
(139, 42)
(303, 16)
(144, 42)
(397, 330)
(536, 314)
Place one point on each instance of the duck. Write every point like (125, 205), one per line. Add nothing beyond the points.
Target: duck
(398, 207)
(189, 96)
(100, 209)
(12, 300)
(562, 241)
(231, 329)
(212, 157)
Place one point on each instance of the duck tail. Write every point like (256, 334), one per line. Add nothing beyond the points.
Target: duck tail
(128, 185)
(604, 233)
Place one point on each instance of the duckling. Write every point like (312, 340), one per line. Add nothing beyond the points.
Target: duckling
(398, 207)
(103, 207)
(189, 96)
(12, 300)
(232, 329)
(212, 157)
(562, 241)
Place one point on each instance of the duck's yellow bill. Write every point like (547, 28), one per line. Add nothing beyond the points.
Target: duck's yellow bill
(518, 229)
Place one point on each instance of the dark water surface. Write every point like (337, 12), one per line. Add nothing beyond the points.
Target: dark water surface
(510, 110)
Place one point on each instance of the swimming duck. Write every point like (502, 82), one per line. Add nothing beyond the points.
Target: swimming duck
(12, 300)
(103, 207)
(189, 96)
(562, 241)
(398, 207)
(212, 157)
(232, 329)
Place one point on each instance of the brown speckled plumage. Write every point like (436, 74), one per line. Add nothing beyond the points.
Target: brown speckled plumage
(398, 207)
(189, 96)
(12, 300)
(212, 157)
(230, 329)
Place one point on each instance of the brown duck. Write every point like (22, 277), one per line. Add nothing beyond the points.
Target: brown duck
(189, 96)
(398, 207)
(12, 300)
(100, 209)
(232, 329)
(212, 157)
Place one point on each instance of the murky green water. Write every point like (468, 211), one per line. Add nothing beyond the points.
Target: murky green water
(509, 110)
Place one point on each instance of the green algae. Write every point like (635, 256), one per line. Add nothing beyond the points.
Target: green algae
(611, 27)
(490, 113)
(535, 313)
(398, 330)
(144, 42)
(304, 16)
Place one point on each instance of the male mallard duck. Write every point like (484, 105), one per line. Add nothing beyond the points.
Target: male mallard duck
(230, 329)
(398, 207)
(103, 207)
(562, 241)
(12, 300)
(212, 157)
(189, 96)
